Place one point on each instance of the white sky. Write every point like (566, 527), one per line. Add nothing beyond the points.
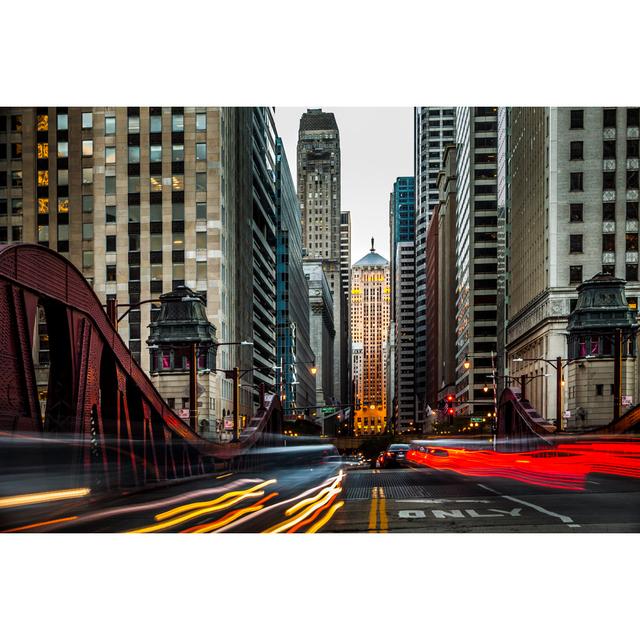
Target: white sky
(376, 145)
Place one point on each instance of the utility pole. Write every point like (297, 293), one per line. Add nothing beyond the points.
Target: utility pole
(234, 374)
(559, 394)
(193, 387)
(617, 374)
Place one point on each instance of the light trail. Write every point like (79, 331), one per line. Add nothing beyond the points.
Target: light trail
(283, 502)
(318, 525)
(195, 514)
(44, 496)
(146, 506)
(296, 507)
(230, 517)
(283, 526)
(38, 524)
(313, 516)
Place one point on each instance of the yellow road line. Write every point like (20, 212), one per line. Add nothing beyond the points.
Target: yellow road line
(318, 525)
(374, 509)
(382, 506)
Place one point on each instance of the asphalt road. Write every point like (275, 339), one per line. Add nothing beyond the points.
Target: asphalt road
(424, 500)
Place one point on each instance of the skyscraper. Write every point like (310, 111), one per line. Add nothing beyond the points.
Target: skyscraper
(370, 305)
(319, 196)
(401, 351)
(294, 356)
(142, 199)
(345, 252)
(476, 257)
(574, 184)
(434, 128)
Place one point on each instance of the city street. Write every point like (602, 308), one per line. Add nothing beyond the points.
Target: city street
(423, 500)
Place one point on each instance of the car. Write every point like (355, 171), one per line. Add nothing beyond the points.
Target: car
(394, 456)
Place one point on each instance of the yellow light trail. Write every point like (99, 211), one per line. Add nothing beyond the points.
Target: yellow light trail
(44, 496)
(296, 507)
(318, 525)
(209, 503)
(194, 514)
(283, 526)
(230, 517)
(224, 475)
(313, 516)
(39, 524)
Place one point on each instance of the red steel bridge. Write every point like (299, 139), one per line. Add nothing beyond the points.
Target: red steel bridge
(119, 430)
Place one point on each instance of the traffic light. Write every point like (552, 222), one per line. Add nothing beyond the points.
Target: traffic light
(450, 408)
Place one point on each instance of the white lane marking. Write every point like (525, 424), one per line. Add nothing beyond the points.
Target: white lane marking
(565, 519)
(573, 525)
(454, 513)
(411, 514)
(442, 501)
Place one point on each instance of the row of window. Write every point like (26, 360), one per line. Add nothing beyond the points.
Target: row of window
(576, 180)
(609, 118)
(608, 242)
(576, 211)
(631, 272)
(576, 149)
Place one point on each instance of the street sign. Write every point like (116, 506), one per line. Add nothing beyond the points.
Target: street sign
(228, 424)
(627, 401)
(567, 414)
(326, 410)
(183, 413)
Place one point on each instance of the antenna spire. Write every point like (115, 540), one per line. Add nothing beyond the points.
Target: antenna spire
(372, 249)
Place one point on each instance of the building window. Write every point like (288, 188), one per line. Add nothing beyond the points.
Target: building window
(177, 122)
(16, 178)
(633, 117)
(155, 153)
(110, 155)
(577, 150)
(42, 123)
(63, 207)
(133, 124)
(632, 179)
(631, 240)
(155, 183)
(63, 177)
(201, 121)
(16, 151)
(631, 272)
(156, 213)
(608, 211)
(608, 180)
(201, 210)
(43, 178)
(134, 213)
(134, 155)
(576, 181)
(599, 389)
(111, 243)
(575, 243)
(43, 233)
(43, 150)
(155, 124)
(633, 148)
(201, 240)
(577, 118)
(177, 153)
(609, 269)
(575, 274)
(87, 204)
(609, 149)
(87, 120)
(177, 211)
(87, 259)
(63, 149)
(87, 231)
(62, 122)
(156, 242)
(43, 206)
(632, 210)
(133, 184)
(110, 185)
(608, 241)
(576, 211)
(134, 242)
(201, 151)
(110, 214)
(609, 118)
(87, 148)
(201, 181)
(109, 126)
(16, 207)
(87, 175)
(177, 183)
(111, 273)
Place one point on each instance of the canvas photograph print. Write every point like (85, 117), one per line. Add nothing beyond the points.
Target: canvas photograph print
(319, 320)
